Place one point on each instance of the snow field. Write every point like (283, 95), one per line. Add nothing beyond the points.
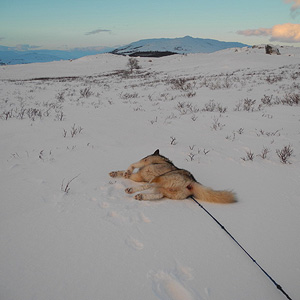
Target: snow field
(69, 231)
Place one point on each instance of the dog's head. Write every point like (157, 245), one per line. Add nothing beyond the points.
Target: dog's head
(155, 158)
(156, 152)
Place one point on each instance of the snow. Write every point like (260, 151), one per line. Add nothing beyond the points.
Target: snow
(89, 239)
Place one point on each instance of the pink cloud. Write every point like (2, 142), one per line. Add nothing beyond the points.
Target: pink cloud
(257, 32)
(287, 33)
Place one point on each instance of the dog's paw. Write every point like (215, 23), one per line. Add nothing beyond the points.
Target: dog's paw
(113, 174)
(127, 174)
(129, 190)
(138, 197)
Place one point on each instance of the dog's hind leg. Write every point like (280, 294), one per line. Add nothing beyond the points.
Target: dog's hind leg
(138, 188)
(151, 196)
(155, 196)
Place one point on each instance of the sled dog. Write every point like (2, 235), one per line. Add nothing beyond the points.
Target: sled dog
(160, 174)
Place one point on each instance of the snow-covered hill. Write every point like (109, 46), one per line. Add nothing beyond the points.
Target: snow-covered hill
(183, 45)
(69, 231)
(9, 56)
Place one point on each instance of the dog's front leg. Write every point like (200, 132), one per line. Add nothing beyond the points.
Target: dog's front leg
(131, 168)
(115, 174)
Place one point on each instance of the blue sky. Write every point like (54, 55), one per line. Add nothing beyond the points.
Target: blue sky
(67, 24)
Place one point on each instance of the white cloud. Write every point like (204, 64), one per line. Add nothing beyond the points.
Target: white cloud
(287, 33)
(98, 31)
(294, 8)
(25, 47)
(296, 4)
(91, 48)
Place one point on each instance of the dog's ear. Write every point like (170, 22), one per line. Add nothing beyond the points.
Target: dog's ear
(156, 152)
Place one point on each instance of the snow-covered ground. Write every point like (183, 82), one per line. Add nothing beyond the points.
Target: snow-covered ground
(68, 230)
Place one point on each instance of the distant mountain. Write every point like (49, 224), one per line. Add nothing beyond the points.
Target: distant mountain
(12, 56)
(187, 44)
(148, 48)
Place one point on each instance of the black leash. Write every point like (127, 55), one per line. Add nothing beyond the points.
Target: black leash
(276, 284)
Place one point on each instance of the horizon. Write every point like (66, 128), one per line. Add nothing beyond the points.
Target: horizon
(22, 48)
(106, 49)
(40, 25)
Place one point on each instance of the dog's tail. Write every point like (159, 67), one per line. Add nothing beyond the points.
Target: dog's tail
(203, 193)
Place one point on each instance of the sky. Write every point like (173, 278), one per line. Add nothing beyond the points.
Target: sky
(69, 24)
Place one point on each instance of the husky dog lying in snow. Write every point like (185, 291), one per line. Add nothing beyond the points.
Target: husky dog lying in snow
(159, 173)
